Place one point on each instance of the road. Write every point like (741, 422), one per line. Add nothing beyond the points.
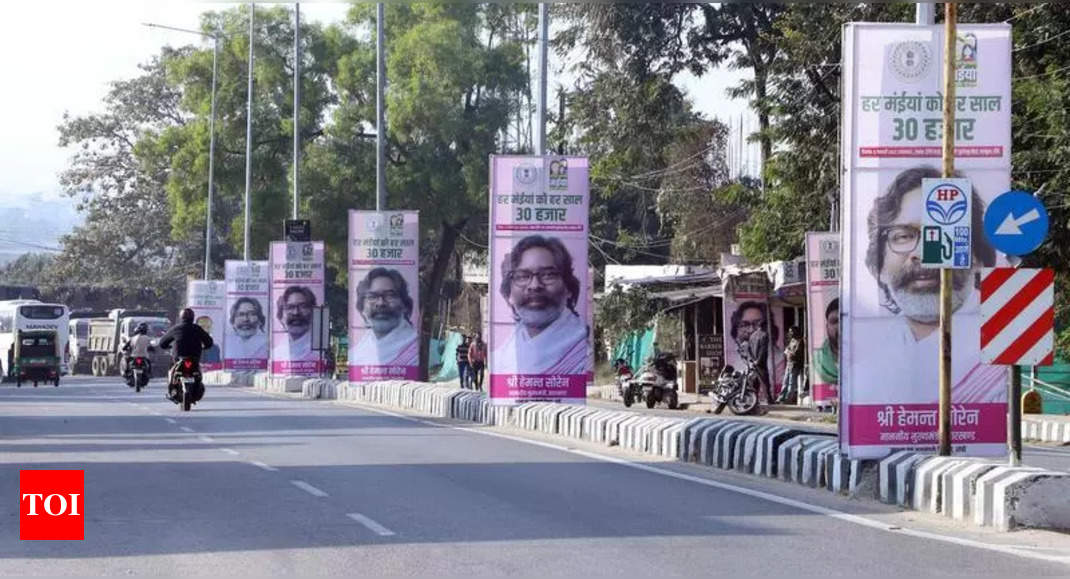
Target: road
(252, 484)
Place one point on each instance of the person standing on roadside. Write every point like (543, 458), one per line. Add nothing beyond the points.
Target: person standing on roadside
(477, 357)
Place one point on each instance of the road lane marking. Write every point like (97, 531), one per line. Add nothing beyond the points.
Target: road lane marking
(263, 466)
(230, 451)
(204, 438)
(372, 525)
(185, 429)
(817, 509)
(308, 488)
(171, 420)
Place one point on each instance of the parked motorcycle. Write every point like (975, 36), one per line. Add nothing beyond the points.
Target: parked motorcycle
(656, 383)
(735, 389)
(137, 376)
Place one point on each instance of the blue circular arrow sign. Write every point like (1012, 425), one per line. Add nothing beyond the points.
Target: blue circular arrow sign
(1016, 223)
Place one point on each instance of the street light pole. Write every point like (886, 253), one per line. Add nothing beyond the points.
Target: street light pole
(297, 101)
(248, 138)
(211, 142)
(380, 116)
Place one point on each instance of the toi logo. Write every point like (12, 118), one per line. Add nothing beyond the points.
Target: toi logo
(51, 505)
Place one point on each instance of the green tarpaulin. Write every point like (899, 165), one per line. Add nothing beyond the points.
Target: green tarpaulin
(636, 348)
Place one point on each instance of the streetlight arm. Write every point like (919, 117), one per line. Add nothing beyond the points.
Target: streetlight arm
(215, 36)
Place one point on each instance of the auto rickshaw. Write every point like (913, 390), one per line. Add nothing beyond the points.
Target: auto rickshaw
(36, 358)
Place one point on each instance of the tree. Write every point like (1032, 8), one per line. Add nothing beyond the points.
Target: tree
(120, 180)
(27, 269)
(648, 148)
(452, 75)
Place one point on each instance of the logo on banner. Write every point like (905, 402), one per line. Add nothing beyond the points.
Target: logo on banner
(524, 176)
(51, 505)
(559, 174)
(910, 60)
(966, 60)
(397, 225)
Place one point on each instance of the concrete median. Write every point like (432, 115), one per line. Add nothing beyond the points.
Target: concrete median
(959, 488)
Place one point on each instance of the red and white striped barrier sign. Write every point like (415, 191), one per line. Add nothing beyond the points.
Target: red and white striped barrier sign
(1017, 316)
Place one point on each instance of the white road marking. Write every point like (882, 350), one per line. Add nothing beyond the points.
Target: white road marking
(263, 466)
(371, 525)
(185, 429)
(308, 488)
(204, 438)
(230, 451)
(171, 420)
(817, 509)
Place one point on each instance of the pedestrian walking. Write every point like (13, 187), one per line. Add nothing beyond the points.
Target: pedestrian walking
(462, 361)
(477, 358)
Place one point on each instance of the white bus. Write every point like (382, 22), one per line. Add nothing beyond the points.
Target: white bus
(32, 315)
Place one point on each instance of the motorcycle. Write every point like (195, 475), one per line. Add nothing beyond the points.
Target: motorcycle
(624, 378)
(138, 374)
(185, 383)
(656, 383)
(737, 390)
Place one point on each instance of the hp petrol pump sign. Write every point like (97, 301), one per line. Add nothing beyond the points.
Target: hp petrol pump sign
(946, 223)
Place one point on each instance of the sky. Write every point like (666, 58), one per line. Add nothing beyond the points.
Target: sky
(60, 56)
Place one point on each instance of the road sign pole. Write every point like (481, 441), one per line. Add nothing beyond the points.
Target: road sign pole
(950, 15)
(1014, 417)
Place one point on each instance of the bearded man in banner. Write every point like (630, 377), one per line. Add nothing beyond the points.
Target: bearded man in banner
(549, 336)
(384, 302)
(906, 347)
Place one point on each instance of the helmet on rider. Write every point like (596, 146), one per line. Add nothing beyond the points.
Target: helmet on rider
(187, 315)
(141, 328)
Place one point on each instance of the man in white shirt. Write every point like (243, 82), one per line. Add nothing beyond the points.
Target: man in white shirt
(384, 303)
(549, 337)
(294, 310)
(247, 339)
(897, 355)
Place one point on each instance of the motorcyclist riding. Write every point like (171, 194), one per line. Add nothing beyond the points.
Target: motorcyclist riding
(189, 341)
(138, 346)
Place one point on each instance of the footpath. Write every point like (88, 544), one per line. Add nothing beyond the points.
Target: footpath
(979, 491)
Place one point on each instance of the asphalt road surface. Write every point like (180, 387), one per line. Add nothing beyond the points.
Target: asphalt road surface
(253, 484)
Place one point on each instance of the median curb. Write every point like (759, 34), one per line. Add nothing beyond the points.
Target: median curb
(957, 487)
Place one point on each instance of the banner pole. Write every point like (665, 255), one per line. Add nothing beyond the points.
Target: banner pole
(950, 15)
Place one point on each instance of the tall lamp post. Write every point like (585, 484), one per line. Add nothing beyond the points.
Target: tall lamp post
(211, 142)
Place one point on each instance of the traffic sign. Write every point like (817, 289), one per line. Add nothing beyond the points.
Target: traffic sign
(1016, 223)
(946, 223)
(1017, 316)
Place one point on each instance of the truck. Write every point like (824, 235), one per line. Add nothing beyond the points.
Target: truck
(102, 353)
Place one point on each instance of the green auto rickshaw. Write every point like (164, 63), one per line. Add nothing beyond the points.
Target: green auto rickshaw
(36, 357)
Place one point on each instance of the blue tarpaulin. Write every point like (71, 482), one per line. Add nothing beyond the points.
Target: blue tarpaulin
(448, 371)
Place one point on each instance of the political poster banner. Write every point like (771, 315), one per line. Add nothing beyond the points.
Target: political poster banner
(823, 316)
(751, 331)
(297, 288)
(890, 342)
(207, 299)
(539, 342)
(384, 294)
(245, 334)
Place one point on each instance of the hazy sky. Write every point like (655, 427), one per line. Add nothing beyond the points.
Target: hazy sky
(60, 56)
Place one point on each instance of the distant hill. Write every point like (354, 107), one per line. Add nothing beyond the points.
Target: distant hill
(34, 222)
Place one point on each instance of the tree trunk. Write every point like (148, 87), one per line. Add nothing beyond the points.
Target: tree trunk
(450, 232)
(760, 87)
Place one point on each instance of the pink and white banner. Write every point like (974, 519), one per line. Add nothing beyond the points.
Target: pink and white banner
(746, 310)
(245, 336)
(207, 300)
(384, 294)
(540, 336)
(297, 287)
(890, 339)
(823, 315)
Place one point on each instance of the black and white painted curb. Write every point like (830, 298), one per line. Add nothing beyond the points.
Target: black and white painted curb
(964, 489)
